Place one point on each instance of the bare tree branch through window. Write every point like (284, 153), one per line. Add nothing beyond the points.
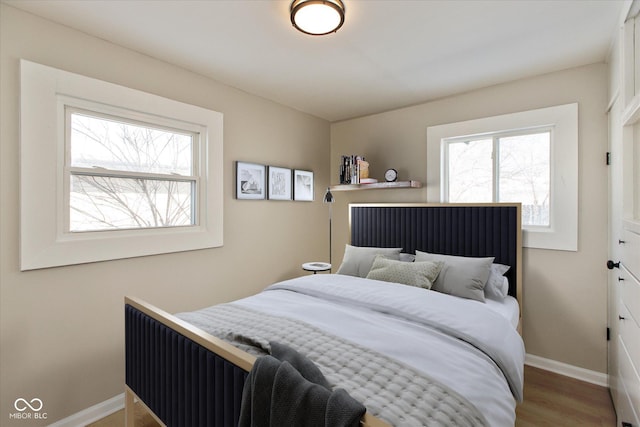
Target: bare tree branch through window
(127, 175)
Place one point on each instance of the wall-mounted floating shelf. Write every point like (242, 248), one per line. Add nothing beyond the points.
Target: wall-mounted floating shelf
(377, 186)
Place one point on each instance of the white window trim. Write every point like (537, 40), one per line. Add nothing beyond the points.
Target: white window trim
(43, 240)
(563, 232)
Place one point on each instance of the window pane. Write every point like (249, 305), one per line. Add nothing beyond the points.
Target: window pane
(101, 142)
(470, 170)
(110, 203)
(525, 175)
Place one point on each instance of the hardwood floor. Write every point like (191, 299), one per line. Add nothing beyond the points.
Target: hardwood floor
(549, 400)
(143, 419)
(555, 400)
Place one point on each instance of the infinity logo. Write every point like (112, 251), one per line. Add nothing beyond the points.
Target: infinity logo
(21, 404)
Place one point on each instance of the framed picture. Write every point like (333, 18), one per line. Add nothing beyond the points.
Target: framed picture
(302, 185)
(250, 181)
(279, 183)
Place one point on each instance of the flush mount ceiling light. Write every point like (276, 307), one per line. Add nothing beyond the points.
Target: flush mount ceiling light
(317, 17)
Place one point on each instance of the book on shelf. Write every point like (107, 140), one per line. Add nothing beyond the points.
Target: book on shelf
(352, 168)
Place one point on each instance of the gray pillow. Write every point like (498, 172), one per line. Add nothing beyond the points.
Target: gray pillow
(464, 277)
(420, 274)
(357, 260)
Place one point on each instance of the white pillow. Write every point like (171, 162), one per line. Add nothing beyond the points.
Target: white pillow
(464, 277)
(357, 260)
(497, 285)
(405, 257)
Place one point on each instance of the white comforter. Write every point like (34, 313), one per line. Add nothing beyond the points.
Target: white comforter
(458, 342)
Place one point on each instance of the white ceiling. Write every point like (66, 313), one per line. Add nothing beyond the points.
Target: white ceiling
(388, 54)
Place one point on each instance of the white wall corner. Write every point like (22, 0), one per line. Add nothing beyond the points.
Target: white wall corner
(586, 375)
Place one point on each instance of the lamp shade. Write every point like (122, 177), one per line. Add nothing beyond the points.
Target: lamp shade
(328, 197)
(317, 17)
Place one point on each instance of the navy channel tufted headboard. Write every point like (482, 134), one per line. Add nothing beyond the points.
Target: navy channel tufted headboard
(474, 230)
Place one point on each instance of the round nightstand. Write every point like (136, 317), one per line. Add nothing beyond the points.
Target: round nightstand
(316, 266)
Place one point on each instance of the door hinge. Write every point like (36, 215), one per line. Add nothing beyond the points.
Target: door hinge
(608, 158)
(608, 334)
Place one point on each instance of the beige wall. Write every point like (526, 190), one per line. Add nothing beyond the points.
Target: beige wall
(565, 298)
(62, 328)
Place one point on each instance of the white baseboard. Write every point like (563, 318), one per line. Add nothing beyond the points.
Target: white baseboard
(567, 370)
(92, 414)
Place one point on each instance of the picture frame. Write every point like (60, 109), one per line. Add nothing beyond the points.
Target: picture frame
(303, 185)
(250, 181)
(279, 183)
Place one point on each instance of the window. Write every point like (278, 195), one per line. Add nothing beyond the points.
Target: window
(502, 167)
(109, 172)
(529, 157)
(125, 175)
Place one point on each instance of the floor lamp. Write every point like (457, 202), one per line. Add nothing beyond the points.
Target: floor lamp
(328, 198)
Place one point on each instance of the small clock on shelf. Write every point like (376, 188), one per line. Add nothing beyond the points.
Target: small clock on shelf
(391, 175)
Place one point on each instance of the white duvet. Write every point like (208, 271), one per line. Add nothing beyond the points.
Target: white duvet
(460, 343)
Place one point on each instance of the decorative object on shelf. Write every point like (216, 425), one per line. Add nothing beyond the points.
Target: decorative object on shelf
(302, 185)
(250, 181)
(363, 169)
(316, 266)
(328, 198)
(377, 186)
(317, 17)
(391, 175)
(279, 183)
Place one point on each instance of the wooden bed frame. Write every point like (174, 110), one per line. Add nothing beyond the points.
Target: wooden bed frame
(185, 377)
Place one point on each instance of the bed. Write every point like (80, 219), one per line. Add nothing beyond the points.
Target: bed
(190, 369)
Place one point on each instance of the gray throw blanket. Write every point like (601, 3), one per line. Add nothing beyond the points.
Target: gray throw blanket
(287, 389)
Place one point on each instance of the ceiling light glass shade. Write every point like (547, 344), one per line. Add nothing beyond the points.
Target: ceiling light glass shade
(317, 17)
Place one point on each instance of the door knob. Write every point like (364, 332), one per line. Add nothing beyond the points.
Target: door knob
(611, 265)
